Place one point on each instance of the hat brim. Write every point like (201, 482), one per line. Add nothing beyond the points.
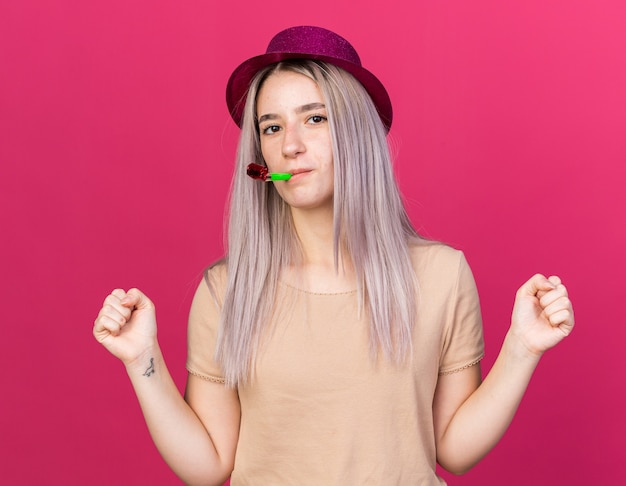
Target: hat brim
(239, 82)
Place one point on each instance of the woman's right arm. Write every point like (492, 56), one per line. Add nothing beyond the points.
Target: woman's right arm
(197, 437)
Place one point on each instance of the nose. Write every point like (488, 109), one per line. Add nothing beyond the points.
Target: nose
(293, 144)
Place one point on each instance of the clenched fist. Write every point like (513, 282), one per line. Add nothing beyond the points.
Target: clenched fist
(126, 324)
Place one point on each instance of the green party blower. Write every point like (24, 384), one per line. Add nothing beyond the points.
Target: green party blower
(261, 173)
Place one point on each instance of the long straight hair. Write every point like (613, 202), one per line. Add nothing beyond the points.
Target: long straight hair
(371, 227)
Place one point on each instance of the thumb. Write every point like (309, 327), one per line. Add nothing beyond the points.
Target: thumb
(136, 299)
(555, 280)
(535, 285)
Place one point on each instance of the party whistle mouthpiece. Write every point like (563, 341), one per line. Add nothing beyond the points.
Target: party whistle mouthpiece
(261, 173)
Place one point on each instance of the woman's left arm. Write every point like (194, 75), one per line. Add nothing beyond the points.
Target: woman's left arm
(469, 416)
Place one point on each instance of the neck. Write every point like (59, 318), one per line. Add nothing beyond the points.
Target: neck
(317, 270)
(315, 232)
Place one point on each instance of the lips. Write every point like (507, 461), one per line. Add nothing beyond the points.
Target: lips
(298, 173)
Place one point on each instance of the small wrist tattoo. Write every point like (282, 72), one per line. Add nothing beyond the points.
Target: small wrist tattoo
(150, 369)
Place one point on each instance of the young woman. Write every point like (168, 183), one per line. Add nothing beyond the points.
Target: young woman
(332, 345)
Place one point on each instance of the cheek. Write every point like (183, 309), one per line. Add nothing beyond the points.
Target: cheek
(329, 162)
(263, 150)
(266, 153)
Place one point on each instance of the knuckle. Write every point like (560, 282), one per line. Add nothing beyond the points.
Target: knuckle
(136, 292)
(110, 299)
(110, 312)
(564, 302)
(112, 326)
(107, 308)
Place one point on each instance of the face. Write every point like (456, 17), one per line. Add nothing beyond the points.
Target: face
(295, 138)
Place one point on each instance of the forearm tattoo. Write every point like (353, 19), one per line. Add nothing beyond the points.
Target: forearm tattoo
(150, 369)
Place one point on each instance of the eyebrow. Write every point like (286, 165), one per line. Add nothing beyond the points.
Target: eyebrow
(301, 109)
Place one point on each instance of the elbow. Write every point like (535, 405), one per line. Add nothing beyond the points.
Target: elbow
(458, 471)
(456, 467)
(207, 482)
(204, 477)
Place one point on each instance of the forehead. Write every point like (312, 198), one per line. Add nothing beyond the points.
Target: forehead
(287, 90)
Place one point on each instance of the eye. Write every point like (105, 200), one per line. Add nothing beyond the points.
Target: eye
(268, 130)
(316, 119)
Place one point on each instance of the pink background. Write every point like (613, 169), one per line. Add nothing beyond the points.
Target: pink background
(116, 152)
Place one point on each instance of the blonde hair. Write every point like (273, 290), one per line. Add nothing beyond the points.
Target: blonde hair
(371, 227)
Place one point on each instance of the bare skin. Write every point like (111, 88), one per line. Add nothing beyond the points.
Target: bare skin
(126, 326)
(197, 435)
